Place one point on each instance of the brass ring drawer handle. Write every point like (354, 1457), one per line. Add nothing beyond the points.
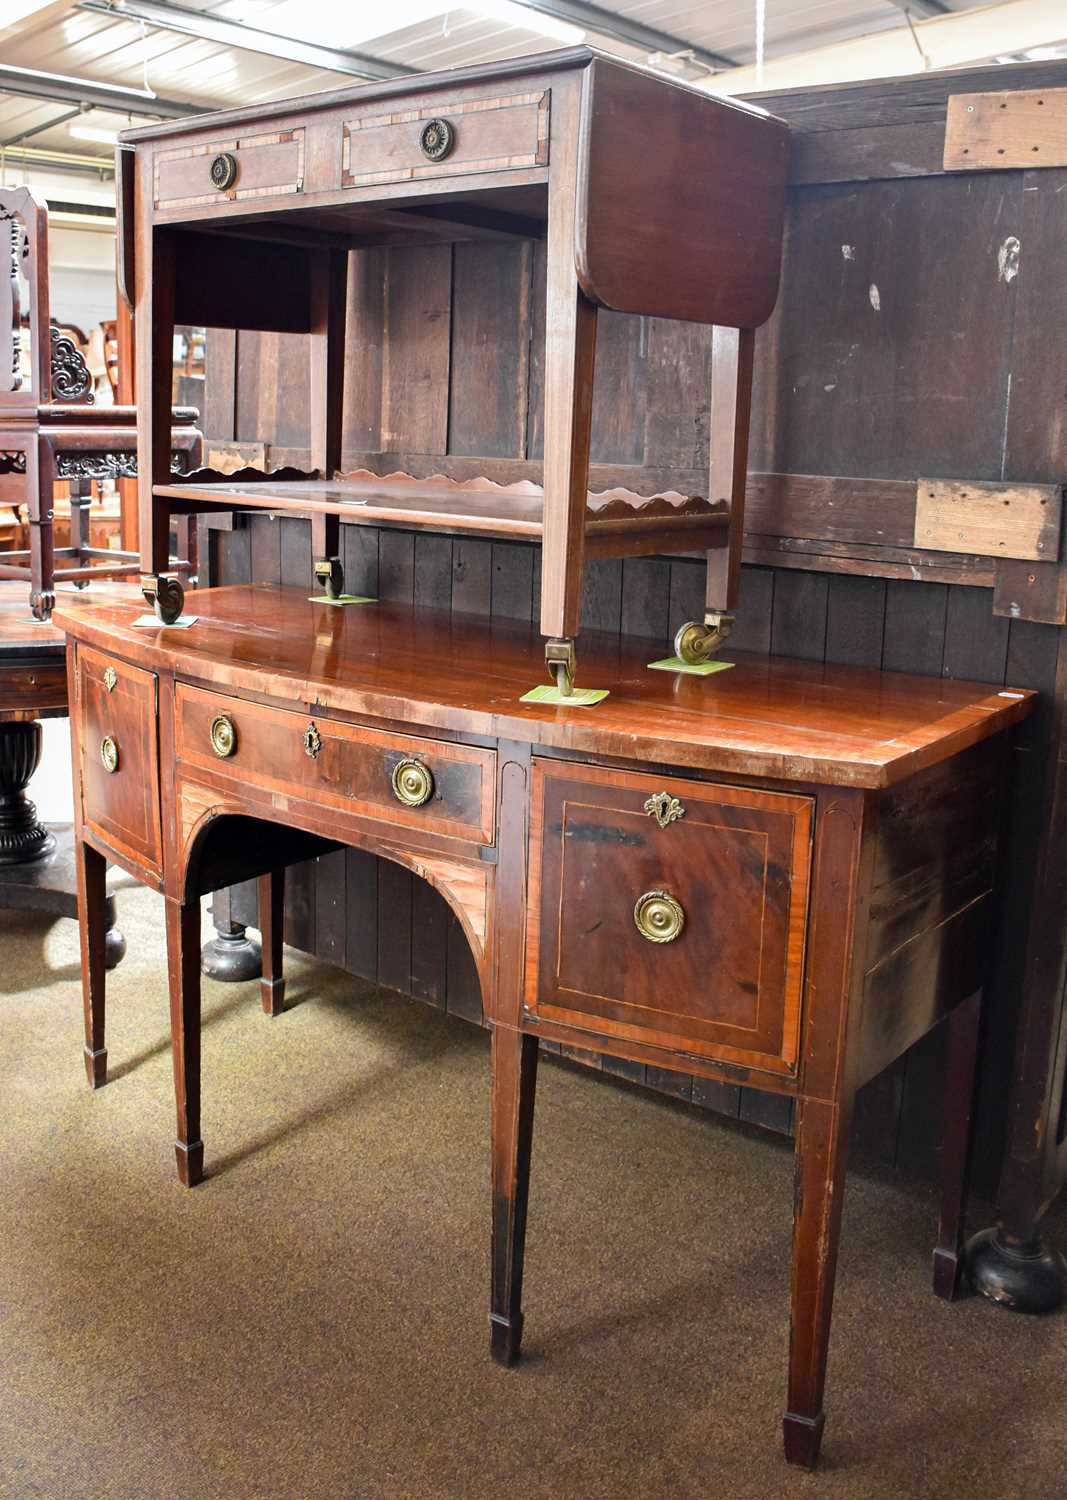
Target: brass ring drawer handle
(436, 139)
(109, 754)
(412, 782)
(223, 736)
(659, 917)
(223, 171)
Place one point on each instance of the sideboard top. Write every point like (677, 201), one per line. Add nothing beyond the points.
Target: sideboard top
(766, 716)
(564, 59)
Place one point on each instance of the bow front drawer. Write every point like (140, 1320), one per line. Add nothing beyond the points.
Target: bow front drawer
(255, 166)
(436, 785)
(438, 139)
(669, 912)
(118, 767)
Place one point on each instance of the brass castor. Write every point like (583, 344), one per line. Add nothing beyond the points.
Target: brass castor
(562, 664)
(331, 575)
(695, 643)
(166, 596)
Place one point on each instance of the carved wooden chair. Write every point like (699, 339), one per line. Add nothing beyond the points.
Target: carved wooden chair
(49, 427)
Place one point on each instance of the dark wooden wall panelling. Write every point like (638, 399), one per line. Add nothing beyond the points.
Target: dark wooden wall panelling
(899, 348)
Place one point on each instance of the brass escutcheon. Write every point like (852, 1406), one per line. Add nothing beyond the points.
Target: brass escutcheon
(659, 916)
(312, 740)
(109, 754)
(664, 808)
(223, 736)
(412, 782)
(110, 678)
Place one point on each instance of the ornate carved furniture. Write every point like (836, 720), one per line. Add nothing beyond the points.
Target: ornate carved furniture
(37, 865)
(782, 874)
(654, 199)
(49, 427)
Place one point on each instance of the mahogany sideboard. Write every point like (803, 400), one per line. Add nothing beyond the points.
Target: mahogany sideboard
(781, 874)
(652, 198)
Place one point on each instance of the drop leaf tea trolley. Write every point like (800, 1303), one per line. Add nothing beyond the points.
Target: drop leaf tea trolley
(654, 199)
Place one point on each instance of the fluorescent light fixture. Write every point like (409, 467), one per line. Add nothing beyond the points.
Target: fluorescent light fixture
(93, 133)
(351, 24)
(37, 76)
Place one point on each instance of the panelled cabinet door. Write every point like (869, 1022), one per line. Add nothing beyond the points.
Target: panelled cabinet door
(119, 756)
(669, 912)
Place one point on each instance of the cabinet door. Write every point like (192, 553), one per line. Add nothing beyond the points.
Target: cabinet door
(118, 756)
(669, 912)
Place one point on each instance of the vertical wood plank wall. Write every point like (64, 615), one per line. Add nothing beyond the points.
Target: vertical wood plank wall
(899, 348)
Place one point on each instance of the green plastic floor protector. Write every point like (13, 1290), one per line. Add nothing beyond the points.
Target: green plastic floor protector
(343, 599)
(699, 669)
(149, 622)
(580, 698)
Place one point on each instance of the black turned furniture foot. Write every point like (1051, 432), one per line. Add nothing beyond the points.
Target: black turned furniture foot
(114, 942)
(505, 1338)
(96, 1067)
(232, 956)
(803, 1438)
(190, 1161)
(1020, 1272)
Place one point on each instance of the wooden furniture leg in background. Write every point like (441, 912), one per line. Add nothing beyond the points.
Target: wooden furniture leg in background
(731, 404)
(514, 1084)
(570, 357)
(40, 486)
(155, 357)
(964, 1030)
(92, 926)
(821, 1149)
(329, 290)
(183, 961)
(271, 891)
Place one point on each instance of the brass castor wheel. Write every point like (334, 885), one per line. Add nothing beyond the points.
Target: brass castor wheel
(562, 663)
(166, 596)
(695, 642)
(331, 575)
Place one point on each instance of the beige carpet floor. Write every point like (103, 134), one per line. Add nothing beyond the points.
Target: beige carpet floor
(311, 1322)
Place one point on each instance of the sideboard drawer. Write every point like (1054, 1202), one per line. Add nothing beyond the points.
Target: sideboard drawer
(256, 166)
(436, 785)
(119, 755)
(669, 912)
(446, 140)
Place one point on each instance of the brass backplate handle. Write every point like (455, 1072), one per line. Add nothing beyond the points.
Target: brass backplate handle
(659, 917)
(412, 782)
(223, 171)
(109, 754)
(223, 736)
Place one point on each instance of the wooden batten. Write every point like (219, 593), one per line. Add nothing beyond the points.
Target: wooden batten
(991, 520)
(1021, 128)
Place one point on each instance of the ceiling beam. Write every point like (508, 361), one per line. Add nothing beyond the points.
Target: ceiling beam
(31, 83)
(956, 40)
(623, 29)
(922, 7)
(211, 28)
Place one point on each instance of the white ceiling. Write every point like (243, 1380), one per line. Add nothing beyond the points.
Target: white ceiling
(103, 48)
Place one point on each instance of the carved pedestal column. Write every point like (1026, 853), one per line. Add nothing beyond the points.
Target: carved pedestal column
(22, 837)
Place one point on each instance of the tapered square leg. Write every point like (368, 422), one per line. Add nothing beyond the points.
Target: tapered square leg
(183, 958)
(92, 930)
(514, 1084)
(964, 1029)
(821, 1148)
(271, 891)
